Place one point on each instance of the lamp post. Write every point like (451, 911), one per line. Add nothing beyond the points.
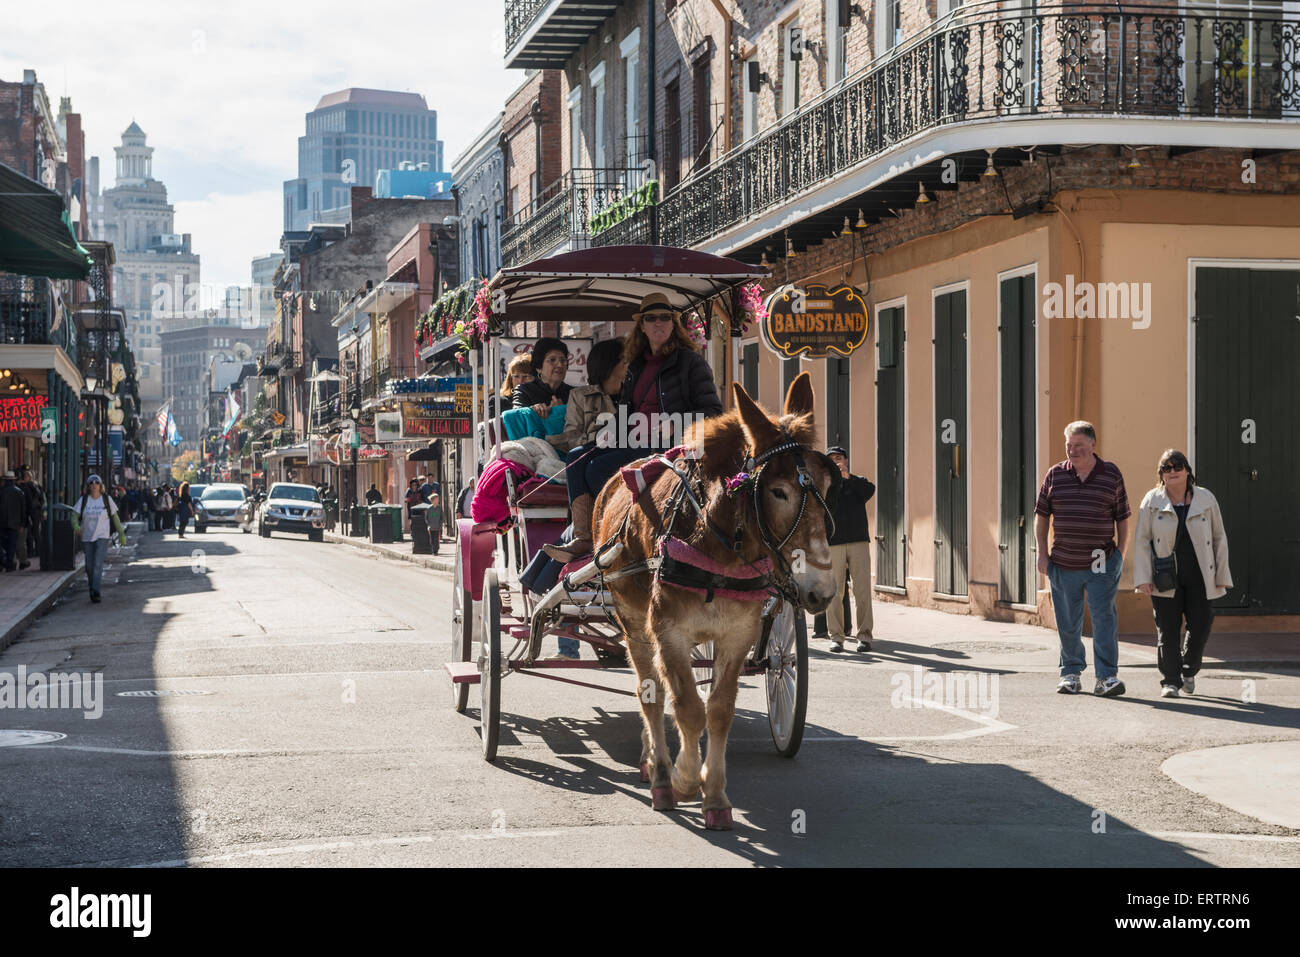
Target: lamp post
(356, 426)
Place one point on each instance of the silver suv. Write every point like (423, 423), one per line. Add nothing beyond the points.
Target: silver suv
(223, 503)
(292, 508)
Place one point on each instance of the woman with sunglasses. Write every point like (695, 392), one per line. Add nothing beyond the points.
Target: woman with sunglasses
(1180, 519)
(93, 515)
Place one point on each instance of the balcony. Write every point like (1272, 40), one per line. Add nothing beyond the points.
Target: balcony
(562, 216)
(28, 308)
(544, 34)
(991, 78)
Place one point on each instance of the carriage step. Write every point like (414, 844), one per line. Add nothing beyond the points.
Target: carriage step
(521, 632)
(462, 672)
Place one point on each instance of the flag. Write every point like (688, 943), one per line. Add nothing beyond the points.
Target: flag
(173, 434)
(232, 411)
(164, 414)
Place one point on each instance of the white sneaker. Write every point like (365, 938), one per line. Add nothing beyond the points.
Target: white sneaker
(1189, 684)
(1168, 691)
(1069, 684)
(837, 644)
(1109, 688)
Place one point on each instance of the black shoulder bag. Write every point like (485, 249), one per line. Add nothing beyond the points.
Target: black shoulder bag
(1164, 571)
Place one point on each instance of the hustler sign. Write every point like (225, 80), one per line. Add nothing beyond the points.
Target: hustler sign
(815, 321)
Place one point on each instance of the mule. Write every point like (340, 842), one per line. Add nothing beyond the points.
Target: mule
(780, 520)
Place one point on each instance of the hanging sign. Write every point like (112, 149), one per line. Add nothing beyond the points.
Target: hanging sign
(815, 321)
(388, 426)
(23, 415)
(434, 419)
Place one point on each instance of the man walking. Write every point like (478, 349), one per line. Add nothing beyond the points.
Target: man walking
(35, 500)
(1086, 503)
(851, 549)
(13, 516)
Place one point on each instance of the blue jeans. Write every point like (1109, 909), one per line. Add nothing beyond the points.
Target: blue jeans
(571, 647)
(1070, 587)
(95, 552)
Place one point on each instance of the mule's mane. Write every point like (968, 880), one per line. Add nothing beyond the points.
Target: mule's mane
(722, 439)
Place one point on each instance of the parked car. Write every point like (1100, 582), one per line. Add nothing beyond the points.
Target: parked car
(224, 503)
(290, 507)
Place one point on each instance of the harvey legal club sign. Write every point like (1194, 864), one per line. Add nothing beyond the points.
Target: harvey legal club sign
(441, 410)
(815, 321)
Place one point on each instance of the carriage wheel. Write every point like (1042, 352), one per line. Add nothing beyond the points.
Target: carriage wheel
(462, 626)
(702, 652)
(490, 665)
(787, 680)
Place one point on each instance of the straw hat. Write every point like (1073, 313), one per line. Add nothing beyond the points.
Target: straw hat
(655, 302)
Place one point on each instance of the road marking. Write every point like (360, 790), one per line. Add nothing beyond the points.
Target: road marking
(986, 724)
(1203, 835)
(223, 752)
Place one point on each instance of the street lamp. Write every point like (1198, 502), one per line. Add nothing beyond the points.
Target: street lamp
(356, 425)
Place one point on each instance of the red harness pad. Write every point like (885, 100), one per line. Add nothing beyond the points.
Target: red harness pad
(678, 550)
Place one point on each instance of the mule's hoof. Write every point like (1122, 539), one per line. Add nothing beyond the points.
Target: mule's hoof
(645, 773)
(662, 799)
(718, 819)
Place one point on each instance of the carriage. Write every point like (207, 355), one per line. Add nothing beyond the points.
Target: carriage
(499, 625)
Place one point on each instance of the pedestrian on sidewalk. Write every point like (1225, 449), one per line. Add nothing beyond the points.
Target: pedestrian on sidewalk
(466, 494)
(850, 550)
(184, 509)
(412, 497)
(35, 500)
(1180, 560)
(13, 518)
(373, 495)
(1084, 500)
(94, 514)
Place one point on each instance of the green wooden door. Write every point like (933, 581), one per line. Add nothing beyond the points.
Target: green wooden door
(891, 540)
(837, 401)
(950, 445)
(1248, 428)
(1017, 547)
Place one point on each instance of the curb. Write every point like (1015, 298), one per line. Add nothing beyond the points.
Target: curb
(39, 606)
(435, 562)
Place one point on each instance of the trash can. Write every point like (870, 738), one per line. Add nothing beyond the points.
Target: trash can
(381, 528)
(63, 557)
(421, 543)
(360, 526)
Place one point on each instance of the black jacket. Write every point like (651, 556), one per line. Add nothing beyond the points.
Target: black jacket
(537, 391)
(35, 500)
(13, 506)
(685, 384)
(851, 511)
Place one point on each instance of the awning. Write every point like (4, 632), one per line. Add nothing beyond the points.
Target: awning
(608, 282)
(36, 236)
(430, 453)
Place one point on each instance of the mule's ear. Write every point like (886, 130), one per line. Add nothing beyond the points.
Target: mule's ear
(759, 429)
(799, 400)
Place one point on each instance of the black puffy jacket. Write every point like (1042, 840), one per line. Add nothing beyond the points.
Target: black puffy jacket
(685, 384)
(537, 392)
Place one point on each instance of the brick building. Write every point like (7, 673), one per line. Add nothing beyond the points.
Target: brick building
(966, 168)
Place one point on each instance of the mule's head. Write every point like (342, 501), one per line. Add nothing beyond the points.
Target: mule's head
(791, 488)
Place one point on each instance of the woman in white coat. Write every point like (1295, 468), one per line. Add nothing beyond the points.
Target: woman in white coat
(1179, 519)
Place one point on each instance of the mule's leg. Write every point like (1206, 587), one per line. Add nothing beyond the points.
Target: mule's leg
(648, 693)
(674, 659)
(729, 657)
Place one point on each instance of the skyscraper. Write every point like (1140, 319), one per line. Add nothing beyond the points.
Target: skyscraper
(136, 218)
(351, 135)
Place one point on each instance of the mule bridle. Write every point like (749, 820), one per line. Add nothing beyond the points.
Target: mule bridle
(754, 465)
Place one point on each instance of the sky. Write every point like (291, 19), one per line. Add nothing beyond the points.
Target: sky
(222, 87)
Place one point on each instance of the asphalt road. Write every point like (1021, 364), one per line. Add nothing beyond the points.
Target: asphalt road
(316, 729)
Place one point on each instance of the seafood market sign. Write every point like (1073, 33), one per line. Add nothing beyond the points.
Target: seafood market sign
(815, 321)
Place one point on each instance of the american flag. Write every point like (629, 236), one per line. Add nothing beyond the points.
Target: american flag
(162, 417)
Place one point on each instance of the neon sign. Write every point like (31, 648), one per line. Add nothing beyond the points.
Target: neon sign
(21, 414)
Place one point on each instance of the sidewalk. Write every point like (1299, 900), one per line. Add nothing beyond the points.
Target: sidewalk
(444, 561)
(26, 595)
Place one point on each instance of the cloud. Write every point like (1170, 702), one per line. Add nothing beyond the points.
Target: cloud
(221, 89)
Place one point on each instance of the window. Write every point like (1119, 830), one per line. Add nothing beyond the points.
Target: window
(793, 34)
(598, 110)
(749, 99)
(836, 43)
(703, 132)
(672, 172)
(631, 50)
(575, 128)
(889, 27)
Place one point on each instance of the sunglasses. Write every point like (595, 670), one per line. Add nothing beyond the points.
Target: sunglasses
(657, 316)
(1171, 467)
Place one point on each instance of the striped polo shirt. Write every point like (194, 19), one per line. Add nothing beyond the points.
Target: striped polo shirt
(1083, 513)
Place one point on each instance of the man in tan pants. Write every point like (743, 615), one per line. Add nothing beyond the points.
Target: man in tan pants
(851, 548)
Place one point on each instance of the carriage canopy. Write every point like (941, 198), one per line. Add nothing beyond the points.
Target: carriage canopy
(608, 282)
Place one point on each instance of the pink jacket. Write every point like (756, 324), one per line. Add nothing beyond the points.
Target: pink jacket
(490, 503)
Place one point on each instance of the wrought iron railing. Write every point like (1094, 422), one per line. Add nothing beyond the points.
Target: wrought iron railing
(638, 229)
(520, 15)
(988, 62)
(563, 212)
(28, 309)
